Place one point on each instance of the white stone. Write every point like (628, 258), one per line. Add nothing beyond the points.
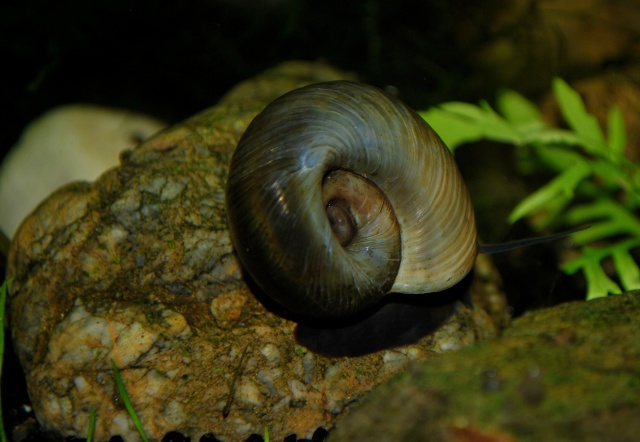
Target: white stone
(249, 393)
(68, 143)
(271, 353)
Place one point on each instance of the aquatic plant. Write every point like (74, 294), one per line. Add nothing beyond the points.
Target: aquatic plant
(594, 183)
(127, 402)
(92, 424)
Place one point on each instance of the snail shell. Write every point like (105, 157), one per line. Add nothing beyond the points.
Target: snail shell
(339, 194)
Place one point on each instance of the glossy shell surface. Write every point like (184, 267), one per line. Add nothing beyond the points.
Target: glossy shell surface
(418, 235)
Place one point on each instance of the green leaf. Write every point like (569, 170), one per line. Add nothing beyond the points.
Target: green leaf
(517, 110)
(458, 123)
(556, 157)
(453, 129)
(92, 424)
(563, 184)
(588, 169)
(550, 213)
(607, 218)
(574, 113)
(550, 136)
(627, 268)
(611, 178)
(617, 134)
(598, 283)
(127, 402)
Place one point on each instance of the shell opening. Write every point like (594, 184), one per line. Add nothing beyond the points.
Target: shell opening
(341, 221)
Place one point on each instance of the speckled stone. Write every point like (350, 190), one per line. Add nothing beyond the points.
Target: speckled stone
(138, 268)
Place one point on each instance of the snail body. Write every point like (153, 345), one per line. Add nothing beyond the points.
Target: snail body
(339, 194)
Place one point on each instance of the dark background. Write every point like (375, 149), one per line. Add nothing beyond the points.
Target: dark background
(171, 59)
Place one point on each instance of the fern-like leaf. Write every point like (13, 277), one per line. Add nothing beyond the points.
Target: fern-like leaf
(590, 168)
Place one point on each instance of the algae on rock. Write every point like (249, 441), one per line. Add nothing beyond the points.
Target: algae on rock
(567, 373)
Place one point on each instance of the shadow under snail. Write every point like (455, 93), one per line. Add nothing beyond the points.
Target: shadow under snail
(339, 194)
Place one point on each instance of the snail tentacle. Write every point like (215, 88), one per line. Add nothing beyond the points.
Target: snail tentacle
(339, 194)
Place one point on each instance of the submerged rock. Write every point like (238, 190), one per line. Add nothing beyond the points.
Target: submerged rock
(567, 373)
(138, 268)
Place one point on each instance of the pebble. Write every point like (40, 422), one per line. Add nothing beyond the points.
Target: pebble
(393, 361)
(153, 186)
(126, 208)
(298, 389)
(248, 392)
(172, 189)
(227, 308)
(281, 404)
(271, 353)
(309, 368)
(267, 378)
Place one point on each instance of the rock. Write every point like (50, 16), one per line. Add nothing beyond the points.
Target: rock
(524, 44)
(68, 143)
(567, 373)
(138, 268)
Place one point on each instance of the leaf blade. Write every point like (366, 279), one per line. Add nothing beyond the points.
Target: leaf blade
(575, 114)
(563, 184)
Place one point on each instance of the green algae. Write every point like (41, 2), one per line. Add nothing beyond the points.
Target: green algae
(551, 376)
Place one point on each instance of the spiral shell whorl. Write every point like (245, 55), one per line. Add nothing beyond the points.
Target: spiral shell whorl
(278, 217)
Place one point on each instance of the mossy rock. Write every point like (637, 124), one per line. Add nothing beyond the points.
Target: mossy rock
(571, 372)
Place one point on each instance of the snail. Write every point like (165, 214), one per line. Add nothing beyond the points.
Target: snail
(339, 194)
